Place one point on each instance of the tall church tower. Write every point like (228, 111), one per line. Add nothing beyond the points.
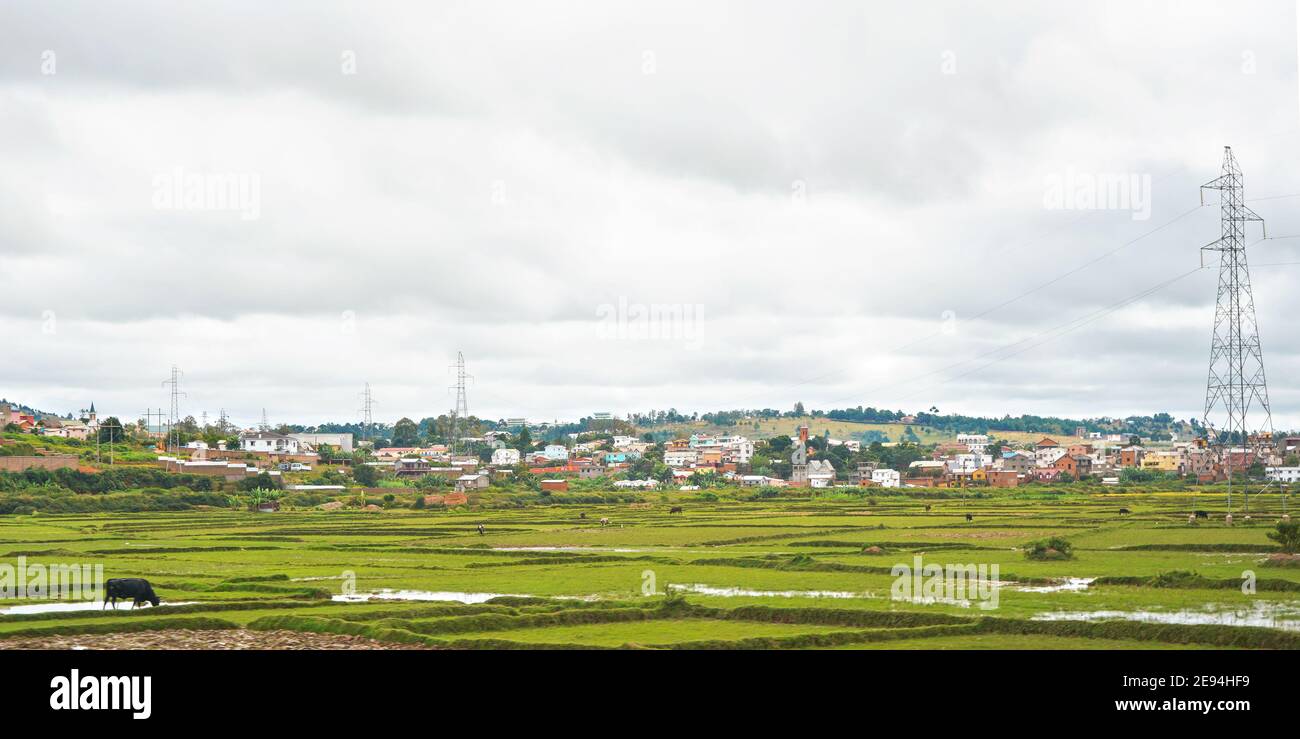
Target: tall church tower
(799, 459)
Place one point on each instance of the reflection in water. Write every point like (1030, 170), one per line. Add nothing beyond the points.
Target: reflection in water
(745, 593)
(1069, 585)
(430, 595)
(1269, 614)
(80, 605)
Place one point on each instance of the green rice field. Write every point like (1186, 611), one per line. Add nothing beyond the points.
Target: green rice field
(775, 574)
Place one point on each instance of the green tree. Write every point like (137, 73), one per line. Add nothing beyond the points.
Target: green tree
(1287, 536)
(260, 481)
(111, 431)
(365, 475)
(406, 433)
(523, 441)
(779, 444)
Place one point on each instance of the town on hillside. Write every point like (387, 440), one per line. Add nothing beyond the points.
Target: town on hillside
(445, 460)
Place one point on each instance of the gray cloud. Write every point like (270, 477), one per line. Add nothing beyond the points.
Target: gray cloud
(847, 191)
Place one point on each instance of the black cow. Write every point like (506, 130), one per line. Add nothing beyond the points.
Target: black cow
(969, 517)
(137, 589)
(1124, 511)
(582, 515)
(674, 509)
(927, 507)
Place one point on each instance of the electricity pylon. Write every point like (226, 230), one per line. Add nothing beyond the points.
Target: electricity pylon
(461, 411)
(367, 413)
(1236, 387)
(173, 416)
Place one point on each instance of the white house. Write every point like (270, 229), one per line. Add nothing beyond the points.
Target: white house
(969, 462)
(505, 457)
(269, 442)
(851, 445)
(474, 481)
(738, 448)
(976, 443)
(1048, 456)
(886, 478)
(1283, 474)
(555, 452)
(753, 481)
(341, 442)
(680, 457)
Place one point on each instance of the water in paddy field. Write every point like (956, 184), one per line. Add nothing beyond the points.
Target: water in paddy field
(428, 595)
(1069, 585)
(1268, 614)
(745, 593)
(81, 605)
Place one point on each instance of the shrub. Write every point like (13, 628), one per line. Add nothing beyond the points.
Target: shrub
(1287, 536)
(1050, 549)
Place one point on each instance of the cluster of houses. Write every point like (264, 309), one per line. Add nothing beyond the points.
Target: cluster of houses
(967, 461)
(81, 428)
(557, 464)
(970, 460)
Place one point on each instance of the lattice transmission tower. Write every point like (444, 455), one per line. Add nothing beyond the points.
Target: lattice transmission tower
(367, 413)
(1236, 394)
(461, 411)
(174, 413)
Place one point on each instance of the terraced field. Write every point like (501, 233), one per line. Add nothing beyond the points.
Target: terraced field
(800, 573)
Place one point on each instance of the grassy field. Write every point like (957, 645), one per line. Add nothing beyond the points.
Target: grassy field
(772, 574)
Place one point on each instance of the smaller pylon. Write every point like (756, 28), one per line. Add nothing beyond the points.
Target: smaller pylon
(461, 411)
(367, 413)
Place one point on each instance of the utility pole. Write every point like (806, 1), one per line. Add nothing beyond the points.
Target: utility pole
(173, 434)
(461, 411)
(149, 424)
(1236, 382)
(98, 436)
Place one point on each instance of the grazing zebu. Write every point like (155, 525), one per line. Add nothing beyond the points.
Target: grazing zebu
(137, 589)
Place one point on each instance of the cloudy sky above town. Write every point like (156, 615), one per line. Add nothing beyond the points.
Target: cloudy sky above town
(613, 206)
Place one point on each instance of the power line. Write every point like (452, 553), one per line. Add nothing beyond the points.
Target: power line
(1014, 299)
(1042, 286)
(1068, 326)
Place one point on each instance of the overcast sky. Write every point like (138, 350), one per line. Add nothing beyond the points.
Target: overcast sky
(630, 206)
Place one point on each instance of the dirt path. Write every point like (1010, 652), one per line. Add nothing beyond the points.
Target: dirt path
(198, 639)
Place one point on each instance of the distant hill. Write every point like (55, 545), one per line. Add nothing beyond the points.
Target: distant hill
(24, 408)
(766, 428)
